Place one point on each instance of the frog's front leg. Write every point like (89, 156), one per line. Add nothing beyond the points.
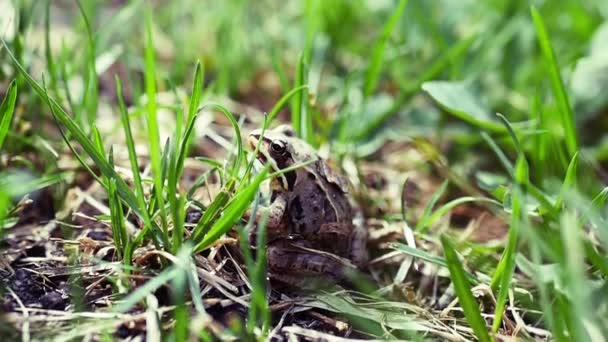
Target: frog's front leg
(276, 225)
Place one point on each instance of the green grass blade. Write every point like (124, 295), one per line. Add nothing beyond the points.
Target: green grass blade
(234, 211)
(444, 209)
(47, 47)
(96, 145)
(504, 272)
(462, 287)
(236, 166)
(210, 162)
(179, 287)
(149, 287)
(258, 312)
(582, 325)
(139, 190)
(598, 260)
(282, 101)
(557, 84)
(569, 183)
(254, 155)
(258, 295)
(117, 218)
(174, 196)
(63, 73)
(90, 98)
(152, 121)
(506, 163)
(211, 213)
(299, 108)
(4, 209)
(424, 255)
(278, 68)
(15, 185)
(429, 206)
(377, 58)
(7, 109)
(313, 23)
(535, 242)
(195, 101)
(511, 131)
(99, 142)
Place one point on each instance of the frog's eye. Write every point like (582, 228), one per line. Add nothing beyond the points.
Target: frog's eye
(278, 147)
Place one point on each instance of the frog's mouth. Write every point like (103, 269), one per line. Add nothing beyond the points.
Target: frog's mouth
(253, 143)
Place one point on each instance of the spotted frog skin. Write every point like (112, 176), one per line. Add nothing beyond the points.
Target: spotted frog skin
(310, 230)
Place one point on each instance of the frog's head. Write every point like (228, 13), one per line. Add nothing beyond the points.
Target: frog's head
(276, 145)
(282, 148)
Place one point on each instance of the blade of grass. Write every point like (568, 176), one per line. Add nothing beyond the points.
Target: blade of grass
(598, 260)
(583, 323)
(557, 84)
(149, 287)
(511, 131)
(429, 206)
(506, 163)
(569, 183)
(376, 60)
(195, 100)
(546, 203)
(179, 286)
(544, 291)
(279, 105)
(236, 166)
(467, 301)
(258, 310)
(504, 272)
(90, 97)
(47, 47)
(431, 218)
(234, 211)
(212, 212)
(176, 200)
(152, 121)
(139, 190)
(423, 255)
(7, 109)
(313, 22)
(69, 144)
(299, 109)
(255, 151)
(76, 111)
(4, 210)
(15, 185)
(258, 295)
(117, 220)
(278, 68)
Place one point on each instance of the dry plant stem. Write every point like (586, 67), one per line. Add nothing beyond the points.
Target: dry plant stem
(25, 326)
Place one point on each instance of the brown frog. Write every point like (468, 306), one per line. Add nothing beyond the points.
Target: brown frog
(310, 230)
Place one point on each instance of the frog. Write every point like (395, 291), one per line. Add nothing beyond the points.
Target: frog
(312, 229)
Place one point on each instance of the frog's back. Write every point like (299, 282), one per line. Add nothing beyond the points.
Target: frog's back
(317, 202)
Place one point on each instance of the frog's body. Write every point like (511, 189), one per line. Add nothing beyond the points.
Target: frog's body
(310, 227)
